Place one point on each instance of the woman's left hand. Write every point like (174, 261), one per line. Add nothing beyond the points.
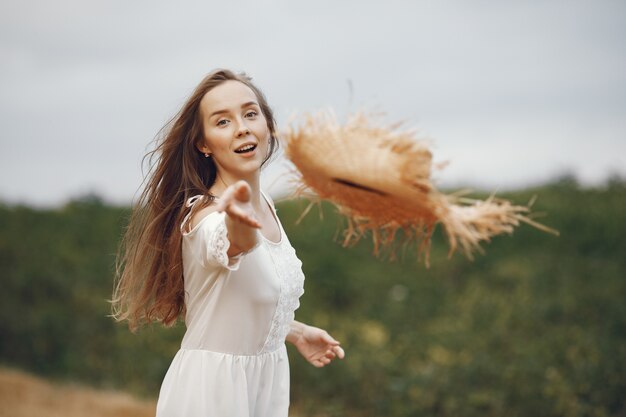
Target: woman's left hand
(317, 346)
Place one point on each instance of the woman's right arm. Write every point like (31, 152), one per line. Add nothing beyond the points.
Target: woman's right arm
(240, 219)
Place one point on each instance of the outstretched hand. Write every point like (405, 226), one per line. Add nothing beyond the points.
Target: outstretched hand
(235, 201)
(318, 347)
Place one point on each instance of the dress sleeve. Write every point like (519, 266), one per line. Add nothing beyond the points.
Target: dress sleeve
(212, 242)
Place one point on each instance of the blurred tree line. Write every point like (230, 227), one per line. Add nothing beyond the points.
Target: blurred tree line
(535, 327)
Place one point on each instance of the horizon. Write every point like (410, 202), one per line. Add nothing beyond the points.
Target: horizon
(565, 178)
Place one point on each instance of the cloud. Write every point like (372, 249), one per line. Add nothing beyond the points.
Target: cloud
(86, 85)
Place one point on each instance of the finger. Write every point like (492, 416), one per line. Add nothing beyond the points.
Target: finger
(225, 200)
(236, 213)
(339, 352)
(250, 221)
(227, 195)
(242, 191)
(322, 360)
(329, 339)
(317, 363)
(330, 354)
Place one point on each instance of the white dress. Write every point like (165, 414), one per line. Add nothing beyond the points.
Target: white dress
(233, 360)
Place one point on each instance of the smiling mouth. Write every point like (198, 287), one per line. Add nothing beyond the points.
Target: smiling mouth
(246, 149)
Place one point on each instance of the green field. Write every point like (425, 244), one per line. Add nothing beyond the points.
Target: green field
(535, 327)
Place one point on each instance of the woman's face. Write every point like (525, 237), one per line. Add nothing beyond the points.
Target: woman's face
(235, 130)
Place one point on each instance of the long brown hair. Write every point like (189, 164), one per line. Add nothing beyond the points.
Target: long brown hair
(149, 274)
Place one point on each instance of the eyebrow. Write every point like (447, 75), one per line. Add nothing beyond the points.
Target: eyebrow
(244, 105)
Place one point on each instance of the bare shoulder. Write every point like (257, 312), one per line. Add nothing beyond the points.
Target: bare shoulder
(201, 214)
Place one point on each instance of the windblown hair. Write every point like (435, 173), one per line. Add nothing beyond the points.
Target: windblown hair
(149, 283)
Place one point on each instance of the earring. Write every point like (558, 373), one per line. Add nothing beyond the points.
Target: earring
(206, 155)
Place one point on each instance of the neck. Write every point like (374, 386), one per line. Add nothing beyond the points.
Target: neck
(254, 180)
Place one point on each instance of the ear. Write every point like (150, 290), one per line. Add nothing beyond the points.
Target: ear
(202, 147)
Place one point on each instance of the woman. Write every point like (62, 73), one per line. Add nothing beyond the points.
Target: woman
(205, 243)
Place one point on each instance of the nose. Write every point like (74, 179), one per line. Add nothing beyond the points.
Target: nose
(243, 129)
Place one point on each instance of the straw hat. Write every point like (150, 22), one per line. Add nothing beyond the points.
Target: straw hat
(379, 179)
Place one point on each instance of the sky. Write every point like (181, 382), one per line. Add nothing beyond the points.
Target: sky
(511, 93)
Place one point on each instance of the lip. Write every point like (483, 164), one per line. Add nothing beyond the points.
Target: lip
(250, 153)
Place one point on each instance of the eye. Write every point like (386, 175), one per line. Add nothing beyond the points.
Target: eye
(251, 114)
(222, 122)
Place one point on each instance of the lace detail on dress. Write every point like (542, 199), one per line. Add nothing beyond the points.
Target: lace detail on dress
(289, 270)
(218, 244)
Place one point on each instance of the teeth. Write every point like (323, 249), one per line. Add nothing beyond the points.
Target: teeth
(245, 148)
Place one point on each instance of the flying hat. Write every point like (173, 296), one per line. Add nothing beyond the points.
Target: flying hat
(379, 178)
